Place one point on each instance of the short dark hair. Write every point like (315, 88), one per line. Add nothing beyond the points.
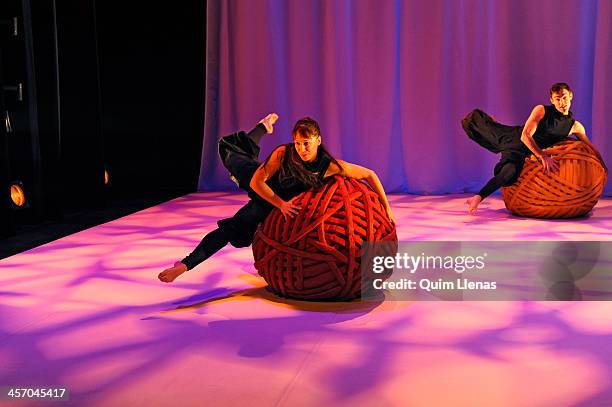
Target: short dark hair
(558, 87)
(306, 127)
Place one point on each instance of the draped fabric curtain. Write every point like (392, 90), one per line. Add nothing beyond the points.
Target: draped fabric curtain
(389, 81)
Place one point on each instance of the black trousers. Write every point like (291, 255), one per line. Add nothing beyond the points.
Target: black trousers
(497, 138)
(239, 153)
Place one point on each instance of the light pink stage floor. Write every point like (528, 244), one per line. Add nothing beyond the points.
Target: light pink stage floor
(87, 312)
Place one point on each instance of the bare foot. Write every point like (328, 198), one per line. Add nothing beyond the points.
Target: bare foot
(473, 203)
(269, 121)
(169, 275)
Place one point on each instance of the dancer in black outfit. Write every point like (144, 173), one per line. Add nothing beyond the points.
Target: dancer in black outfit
(546, 126)
(290, 170)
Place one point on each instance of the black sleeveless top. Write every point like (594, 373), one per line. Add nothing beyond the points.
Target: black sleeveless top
(288, 186)
(553, 128)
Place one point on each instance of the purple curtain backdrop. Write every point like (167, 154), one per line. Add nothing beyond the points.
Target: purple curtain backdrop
(389, 81)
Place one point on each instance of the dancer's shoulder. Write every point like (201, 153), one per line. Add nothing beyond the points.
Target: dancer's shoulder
(537, 113)
(577, 128)
(279, 152)
(539, 109)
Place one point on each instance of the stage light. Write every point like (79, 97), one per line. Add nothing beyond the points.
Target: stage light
(18, 196)
(106, 177)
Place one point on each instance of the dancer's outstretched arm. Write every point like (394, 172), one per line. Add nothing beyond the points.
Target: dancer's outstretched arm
(531, 125)
(263, 173)
(359, 172)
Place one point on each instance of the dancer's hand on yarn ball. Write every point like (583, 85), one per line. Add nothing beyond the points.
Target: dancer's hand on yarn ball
(288, 208)
(549, 164)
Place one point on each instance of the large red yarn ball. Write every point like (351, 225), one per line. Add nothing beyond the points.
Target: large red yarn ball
(317, 254)
(570, 192)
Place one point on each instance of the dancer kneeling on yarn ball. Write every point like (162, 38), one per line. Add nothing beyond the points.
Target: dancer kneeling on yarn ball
(290, 170)
(546, 126)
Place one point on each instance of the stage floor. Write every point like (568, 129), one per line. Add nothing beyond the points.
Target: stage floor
(88, 313)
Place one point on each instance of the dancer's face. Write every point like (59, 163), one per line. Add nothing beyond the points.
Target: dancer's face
(562, 100)
(306, 147)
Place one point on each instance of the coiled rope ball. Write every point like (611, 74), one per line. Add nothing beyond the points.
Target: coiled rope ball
(570, 192)
(316, 254)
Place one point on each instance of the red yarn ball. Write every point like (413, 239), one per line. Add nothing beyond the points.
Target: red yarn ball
(316, 254)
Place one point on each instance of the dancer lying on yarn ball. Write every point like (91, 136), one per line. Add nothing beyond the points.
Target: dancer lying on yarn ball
(546, 126)
(290, 170)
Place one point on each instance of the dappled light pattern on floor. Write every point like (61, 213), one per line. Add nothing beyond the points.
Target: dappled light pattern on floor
(87, 312)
